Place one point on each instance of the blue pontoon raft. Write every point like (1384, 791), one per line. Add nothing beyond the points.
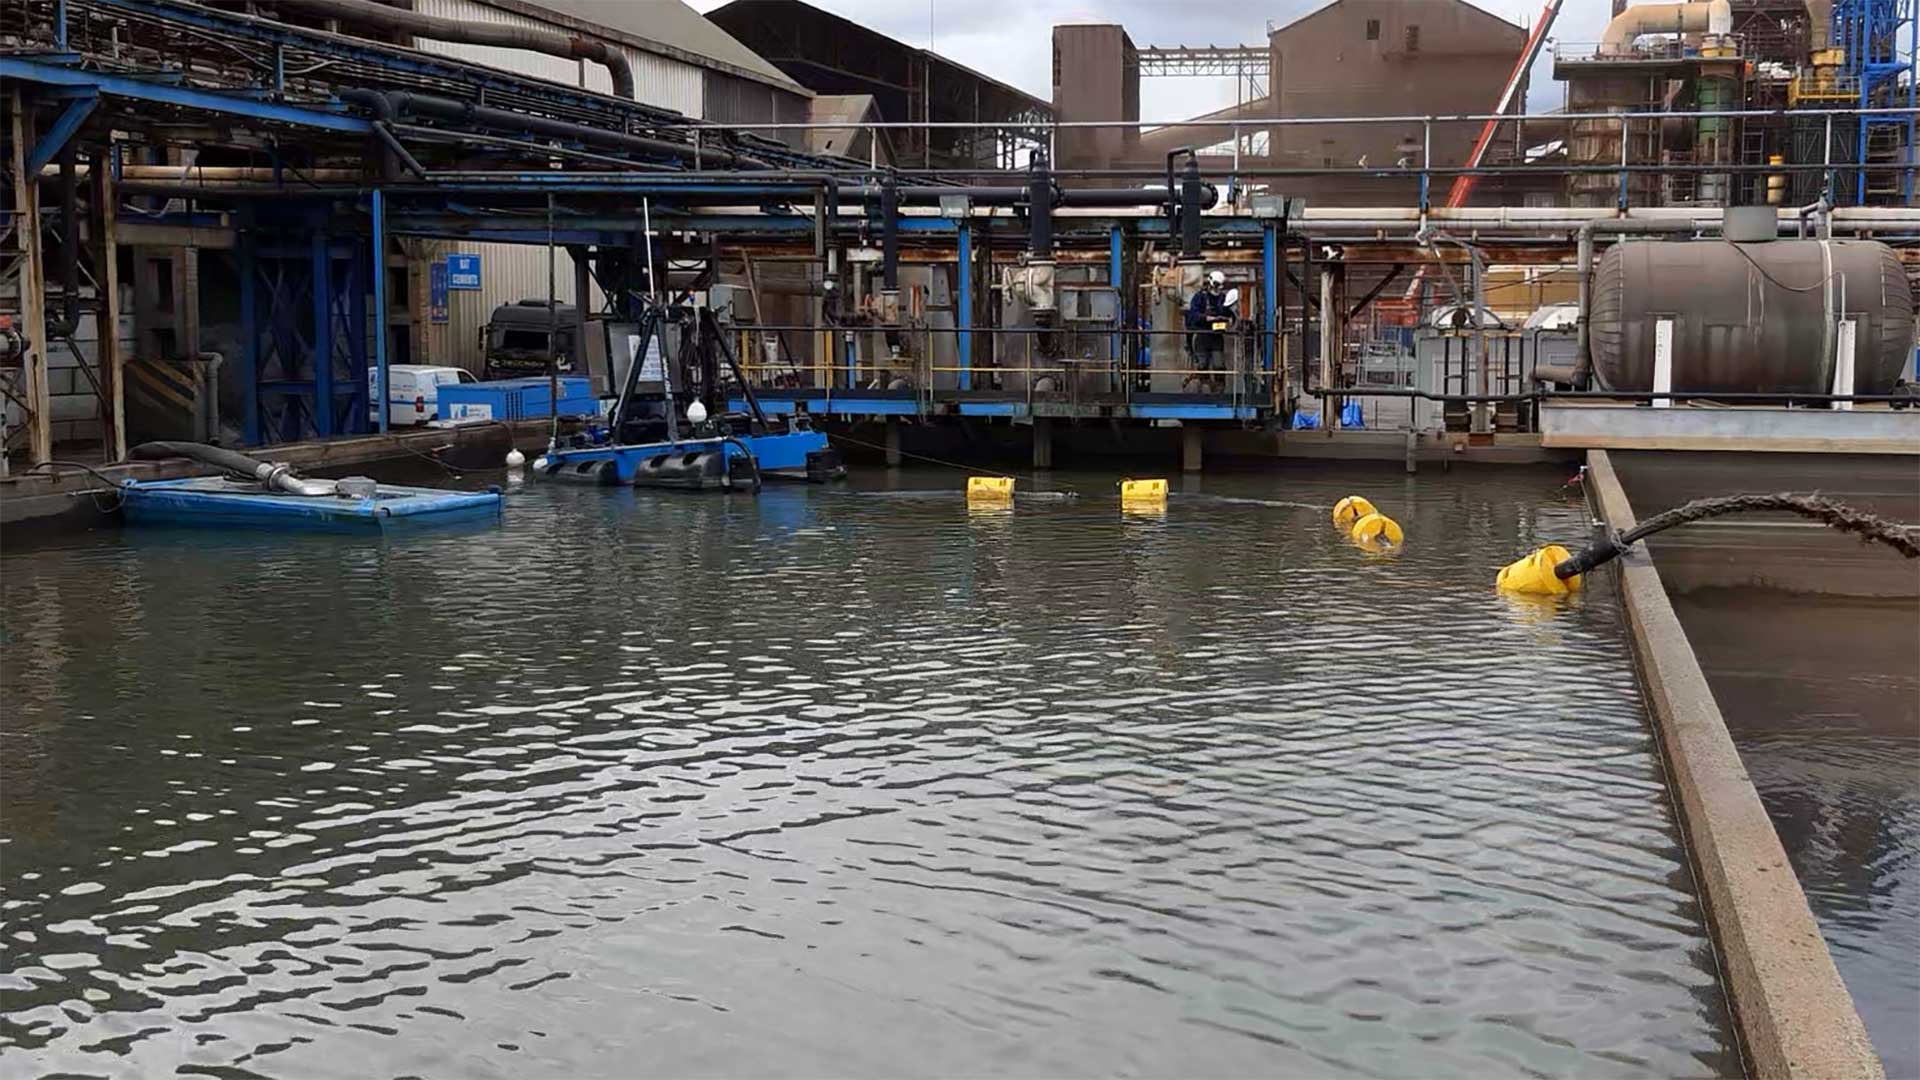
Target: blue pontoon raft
(674, 432)
(259, 494)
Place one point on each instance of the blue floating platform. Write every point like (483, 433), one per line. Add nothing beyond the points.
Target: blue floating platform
(214, 501)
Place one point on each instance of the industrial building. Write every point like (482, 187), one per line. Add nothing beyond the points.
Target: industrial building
(836, 56)
(1349, 58)
(891, 237)
(1794, 62)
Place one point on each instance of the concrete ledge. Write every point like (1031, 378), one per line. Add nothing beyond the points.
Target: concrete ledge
(1793, 1013)
(1867, 430)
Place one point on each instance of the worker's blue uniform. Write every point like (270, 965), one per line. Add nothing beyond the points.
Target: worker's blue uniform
(1206, 344)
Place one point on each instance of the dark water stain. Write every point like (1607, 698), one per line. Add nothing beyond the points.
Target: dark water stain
(827, 784)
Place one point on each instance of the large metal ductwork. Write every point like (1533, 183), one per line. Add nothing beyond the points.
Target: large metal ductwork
(432, 27)
(1709, 16)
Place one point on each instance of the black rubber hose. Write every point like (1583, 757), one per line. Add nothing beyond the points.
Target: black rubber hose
(1837, 515)
(230, 460)
(753, 463)
(69, 320)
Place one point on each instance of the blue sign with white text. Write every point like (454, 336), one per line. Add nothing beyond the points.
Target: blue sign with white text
(437, 291)
(463, 271)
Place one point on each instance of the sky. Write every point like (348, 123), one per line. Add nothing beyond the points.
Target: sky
(1011, 40)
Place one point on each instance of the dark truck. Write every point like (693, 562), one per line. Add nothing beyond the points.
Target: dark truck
(514, 341)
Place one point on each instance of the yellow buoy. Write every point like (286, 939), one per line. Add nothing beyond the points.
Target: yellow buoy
(1143, 494)
(1351, 509)
(1534, 575)
(990, 489)
(1377, 532)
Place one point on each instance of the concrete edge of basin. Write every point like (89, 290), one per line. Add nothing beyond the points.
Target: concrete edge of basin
(1794, 1014)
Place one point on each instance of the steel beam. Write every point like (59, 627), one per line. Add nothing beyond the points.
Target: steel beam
(184, 97)
(76, 113)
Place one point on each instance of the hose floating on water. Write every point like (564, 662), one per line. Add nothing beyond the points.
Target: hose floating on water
(1528, 575)
(270, 475)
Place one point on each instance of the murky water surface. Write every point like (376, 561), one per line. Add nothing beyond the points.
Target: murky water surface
(842, 783)
(1826, 712)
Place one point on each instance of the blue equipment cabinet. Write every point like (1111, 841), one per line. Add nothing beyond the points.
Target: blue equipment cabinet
(517, 399)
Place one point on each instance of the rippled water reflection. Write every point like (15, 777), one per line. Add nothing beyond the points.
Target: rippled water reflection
(843, 783)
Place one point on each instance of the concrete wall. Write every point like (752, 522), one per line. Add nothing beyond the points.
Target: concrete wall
(74, 407)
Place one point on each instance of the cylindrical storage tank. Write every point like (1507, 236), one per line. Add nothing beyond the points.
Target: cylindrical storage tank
(1750, 318)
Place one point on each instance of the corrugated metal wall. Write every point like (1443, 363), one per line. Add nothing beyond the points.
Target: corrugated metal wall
(658, 80)
(734, 100)
(508, 273)
(511, 272)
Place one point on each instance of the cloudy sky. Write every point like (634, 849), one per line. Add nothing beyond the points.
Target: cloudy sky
(1011, 40)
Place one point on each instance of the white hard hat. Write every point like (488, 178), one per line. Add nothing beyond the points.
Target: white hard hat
(1216, 279)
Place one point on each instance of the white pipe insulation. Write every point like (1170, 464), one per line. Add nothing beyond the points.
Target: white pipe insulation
(1708, 16)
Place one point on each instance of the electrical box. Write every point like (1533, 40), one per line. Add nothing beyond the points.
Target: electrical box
(518, 399)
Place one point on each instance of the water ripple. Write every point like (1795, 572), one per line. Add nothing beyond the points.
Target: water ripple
(826, 783)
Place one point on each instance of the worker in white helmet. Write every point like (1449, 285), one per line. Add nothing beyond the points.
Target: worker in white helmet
(1208, 318)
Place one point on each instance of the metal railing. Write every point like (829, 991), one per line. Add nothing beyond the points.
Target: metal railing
(1651, 47)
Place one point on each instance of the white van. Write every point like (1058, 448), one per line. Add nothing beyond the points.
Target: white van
(413, 392)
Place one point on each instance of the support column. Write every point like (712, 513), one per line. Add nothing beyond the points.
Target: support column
(249, 328)
(963, 308)
(1042, 442)
(33, 289)
(1116, 277)
(1190, 446)
(893, 442)
(379, 291)
(419, 255)
(1270, 298)
(109, 358)
(322, 359)
(1329, 347)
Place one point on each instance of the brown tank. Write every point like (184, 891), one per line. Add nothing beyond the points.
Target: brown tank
(1749, 318)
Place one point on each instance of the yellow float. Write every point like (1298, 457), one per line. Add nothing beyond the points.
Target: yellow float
(1534, 576)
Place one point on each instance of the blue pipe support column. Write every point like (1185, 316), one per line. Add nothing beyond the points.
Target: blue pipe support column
(380, 308)
(963, 315)
(1114, 272)
(249, 332)
(360, 414)
(60, 26)
(323, 403)
(1269, 294)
